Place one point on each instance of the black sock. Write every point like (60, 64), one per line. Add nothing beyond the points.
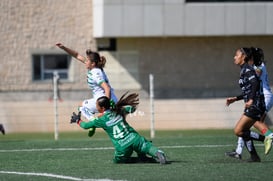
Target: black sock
(249, 143)
(257, 136)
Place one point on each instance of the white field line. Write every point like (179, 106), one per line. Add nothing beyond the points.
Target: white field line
(58, 149)
(112, 148)
(102, 148)
(203, 146)
(52, 176)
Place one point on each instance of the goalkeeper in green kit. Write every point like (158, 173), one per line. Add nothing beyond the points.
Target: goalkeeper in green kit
(124, 138)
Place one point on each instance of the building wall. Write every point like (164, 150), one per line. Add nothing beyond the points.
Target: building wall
(192, 67)
(32, 25)
(38, 25)
(29, 26)
(142, 18)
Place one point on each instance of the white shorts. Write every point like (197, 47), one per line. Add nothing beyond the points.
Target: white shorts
(89, 108)
(268, 99)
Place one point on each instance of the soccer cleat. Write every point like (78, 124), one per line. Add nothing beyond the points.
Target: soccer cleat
(254, 158)
(270, 135)
(234, 154)
(161, 157)
(267, 145)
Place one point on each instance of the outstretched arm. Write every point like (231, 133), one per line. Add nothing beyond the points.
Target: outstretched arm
(231, 100)
(71, 52)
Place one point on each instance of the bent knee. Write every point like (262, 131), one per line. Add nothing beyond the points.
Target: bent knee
(238, 132)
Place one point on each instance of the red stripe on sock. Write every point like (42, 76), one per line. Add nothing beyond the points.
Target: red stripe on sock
(264, 131)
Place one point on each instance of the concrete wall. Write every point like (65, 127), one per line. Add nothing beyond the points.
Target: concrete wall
(192, 67)
(32, 25)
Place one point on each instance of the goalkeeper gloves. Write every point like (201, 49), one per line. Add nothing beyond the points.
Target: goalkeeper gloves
(75, 118)
(91, 131)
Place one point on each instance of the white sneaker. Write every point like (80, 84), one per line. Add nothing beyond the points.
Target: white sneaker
(161, 157)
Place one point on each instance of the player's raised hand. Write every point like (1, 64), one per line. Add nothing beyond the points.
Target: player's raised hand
(60, 45)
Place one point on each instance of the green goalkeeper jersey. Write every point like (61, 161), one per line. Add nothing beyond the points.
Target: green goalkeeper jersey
(115, 125)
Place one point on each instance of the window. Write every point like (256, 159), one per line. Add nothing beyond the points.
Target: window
(109, 44)
(44, 66)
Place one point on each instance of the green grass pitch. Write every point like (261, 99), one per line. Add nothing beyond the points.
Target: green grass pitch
(193, 155)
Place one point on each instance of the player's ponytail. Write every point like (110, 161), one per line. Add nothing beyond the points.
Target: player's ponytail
(102, 62)
(258, 56)
(126, 100)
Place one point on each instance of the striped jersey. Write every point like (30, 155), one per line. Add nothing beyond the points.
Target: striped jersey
(95, 77)
(264, 79)
(248, 79)
(115, 125)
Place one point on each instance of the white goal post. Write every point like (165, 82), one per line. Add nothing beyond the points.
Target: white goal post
(55, 99)
(151, 83)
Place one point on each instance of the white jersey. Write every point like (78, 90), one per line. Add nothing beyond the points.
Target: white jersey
(95, 77)
(264, 78)
(268, 96)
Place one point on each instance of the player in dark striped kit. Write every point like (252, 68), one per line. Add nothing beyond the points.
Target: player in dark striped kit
(257, 62)
(253, 97)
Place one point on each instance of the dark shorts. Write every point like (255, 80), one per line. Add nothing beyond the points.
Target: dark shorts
(254, 113)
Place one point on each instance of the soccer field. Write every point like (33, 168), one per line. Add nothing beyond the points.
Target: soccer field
(193, 155)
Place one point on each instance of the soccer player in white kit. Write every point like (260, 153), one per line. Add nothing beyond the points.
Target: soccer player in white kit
(96, 79)
(262, 73)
